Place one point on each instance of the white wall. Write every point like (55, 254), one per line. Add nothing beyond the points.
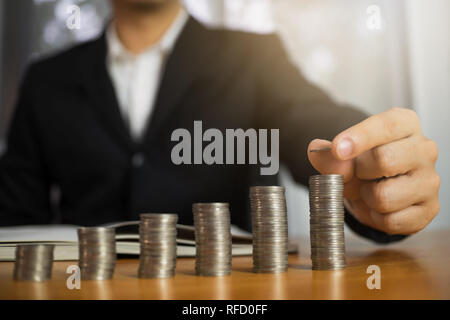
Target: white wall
(429, 38)
(405, 64)
(333, 46)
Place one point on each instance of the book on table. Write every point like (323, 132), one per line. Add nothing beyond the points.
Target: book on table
(65, 239)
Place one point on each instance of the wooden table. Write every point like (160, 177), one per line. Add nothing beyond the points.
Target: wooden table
(417, 268)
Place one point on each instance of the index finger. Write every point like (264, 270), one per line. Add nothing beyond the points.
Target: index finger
(388, 126)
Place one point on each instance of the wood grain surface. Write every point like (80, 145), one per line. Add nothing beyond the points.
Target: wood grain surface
(417, 268)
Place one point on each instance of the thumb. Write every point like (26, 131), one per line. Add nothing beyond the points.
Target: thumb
(326, 163)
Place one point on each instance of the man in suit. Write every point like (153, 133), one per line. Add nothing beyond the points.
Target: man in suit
(96, 121)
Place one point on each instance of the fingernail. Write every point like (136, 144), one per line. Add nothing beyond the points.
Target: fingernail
(345, 148)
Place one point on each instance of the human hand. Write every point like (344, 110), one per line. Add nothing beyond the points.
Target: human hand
(389, 171)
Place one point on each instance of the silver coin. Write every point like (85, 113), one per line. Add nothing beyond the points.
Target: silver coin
(158, 246)
(270, 229)
(212, 239)
(326, 201)
(33, 262)
(97, 252)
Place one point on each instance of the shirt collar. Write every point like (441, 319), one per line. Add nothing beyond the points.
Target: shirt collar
(116, 50)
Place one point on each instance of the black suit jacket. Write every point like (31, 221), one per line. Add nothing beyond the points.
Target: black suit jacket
(68, 131)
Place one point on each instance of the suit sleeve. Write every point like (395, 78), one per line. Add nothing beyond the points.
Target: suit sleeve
(302, 112)
(24, 187)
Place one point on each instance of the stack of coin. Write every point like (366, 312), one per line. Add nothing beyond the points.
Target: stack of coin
(158, 240)
(326, 201)
(270, 229)
(33, 262)
(212, 239)
(97, 252)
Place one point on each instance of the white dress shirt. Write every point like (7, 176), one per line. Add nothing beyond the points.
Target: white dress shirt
(136, 78)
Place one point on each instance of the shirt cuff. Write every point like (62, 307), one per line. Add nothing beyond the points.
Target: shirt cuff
(368, 232)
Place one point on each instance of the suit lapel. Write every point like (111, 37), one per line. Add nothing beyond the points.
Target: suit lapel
(98, 86)
(187, 60)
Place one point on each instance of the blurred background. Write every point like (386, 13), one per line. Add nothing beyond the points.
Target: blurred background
(373, 54)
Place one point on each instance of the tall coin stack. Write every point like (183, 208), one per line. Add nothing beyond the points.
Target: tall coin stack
(158, 240)
(270, 229)
(33, 262)
(212, 239)
(326, 201)
(97, 252)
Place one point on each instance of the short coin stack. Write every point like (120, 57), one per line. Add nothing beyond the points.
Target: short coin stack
(158, 240)
(270, 229)
(33, 262)
(97, 252)
(326, 201)
(212, 239)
